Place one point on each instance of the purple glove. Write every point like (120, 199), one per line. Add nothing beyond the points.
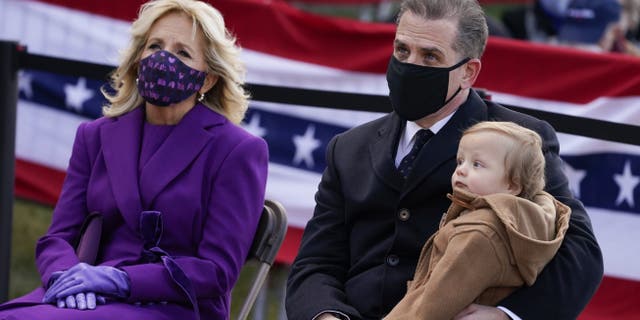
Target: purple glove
(54, 277)
(83, 278)
(81, 301)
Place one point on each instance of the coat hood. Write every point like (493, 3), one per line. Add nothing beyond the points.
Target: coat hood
(535, 229)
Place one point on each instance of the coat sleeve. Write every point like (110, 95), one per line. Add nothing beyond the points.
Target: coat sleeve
(55, 250)
(474, 260)
(316, 281)
(232, 215)
(568, 282)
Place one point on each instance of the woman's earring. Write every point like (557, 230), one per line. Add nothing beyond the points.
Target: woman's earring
(201, 97)
(136, 81)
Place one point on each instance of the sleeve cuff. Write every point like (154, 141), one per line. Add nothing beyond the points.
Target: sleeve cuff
(510, 314)
(335, 313)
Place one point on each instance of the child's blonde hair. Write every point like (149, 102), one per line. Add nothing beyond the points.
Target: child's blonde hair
(524, 161)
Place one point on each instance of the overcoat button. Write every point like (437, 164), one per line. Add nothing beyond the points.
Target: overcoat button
(404, 214)
(393, 260)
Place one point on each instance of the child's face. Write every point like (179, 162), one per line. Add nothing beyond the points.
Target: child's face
(481, 168)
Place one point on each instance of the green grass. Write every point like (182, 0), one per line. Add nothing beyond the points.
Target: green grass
(31, 220)
(496, 10)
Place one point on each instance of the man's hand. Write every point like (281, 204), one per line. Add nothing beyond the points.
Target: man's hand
(480, 312)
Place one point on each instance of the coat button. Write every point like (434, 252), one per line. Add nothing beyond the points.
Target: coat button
(393, 260)
(404, 214)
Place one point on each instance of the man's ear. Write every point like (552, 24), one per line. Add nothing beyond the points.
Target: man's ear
(471, 71)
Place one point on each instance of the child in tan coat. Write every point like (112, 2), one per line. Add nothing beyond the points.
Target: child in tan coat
(499, 232)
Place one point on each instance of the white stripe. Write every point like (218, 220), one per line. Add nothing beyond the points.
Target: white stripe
(579, 145)
(45, 135)
(617, 234)
(295, 189)
(614, 109)
(338, 117)
(61, 32)
(273, 70)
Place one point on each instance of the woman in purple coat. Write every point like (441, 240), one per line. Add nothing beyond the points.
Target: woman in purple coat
(179, 184)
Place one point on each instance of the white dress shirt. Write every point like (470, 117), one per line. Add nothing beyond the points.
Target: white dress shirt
(407, 138)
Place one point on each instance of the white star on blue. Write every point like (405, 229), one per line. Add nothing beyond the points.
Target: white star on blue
(254, 126)
(627, 183)
(78, 94)
(305, 145)
(575, 178)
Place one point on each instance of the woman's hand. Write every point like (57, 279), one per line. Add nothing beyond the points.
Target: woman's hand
(83, 278)
(81, 301)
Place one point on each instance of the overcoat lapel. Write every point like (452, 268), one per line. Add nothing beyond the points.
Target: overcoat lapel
(179, 149)
(121, 150)
(382, 154)
(444, 145)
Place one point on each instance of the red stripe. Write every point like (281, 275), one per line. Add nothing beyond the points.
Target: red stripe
(339, 2)
(557, 73)
(290, 246)
(284, 31)
(615, 299)
(37, 182)
(122, 10)
(482, 2)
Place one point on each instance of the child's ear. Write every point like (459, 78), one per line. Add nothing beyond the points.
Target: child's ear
(515, 188)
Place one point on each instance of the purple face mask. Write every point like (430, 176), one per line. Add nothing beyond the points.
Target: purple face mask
(163, 79)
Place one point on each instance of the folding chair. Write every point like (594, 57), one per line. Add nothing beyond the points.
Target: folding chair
(266, 243)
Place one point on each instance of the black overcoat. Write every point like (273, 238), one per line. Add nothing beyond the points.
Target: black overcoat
(369, 224)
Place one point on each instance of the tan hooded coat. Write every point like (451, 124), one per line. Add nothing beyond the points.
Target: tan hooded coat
(486, 248)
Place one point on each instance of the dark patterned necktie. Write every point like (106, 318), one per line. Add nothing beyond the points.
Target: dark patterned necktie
(422, 137)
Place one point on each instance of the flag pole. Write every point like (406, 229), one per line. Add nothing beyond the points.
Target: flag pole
(8, 100)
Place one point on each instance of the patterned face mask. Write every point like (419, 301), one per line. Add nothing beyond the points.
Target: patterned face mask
(163, 79)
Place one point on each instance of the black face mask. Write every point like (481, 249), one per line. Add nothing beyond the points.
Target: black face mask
(417, 91)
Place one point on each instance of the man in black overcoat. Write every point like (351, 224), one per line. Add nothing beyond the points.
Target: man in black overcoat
(375, 209)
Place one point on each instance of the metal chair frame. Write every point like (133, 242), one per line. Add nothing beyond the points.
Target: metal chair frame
(266, 243)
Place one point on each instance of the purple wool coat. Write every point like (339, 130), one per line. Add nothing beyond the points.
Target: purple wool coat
(208, 179)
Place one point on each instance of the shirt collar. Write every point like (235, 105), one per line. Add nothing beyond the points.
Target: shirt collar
(411, 128)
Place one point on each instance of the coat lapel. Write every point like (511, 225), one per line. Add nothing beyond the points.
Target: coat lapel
(121, 148)
(382, 152)
(444, 145)
(179, 149)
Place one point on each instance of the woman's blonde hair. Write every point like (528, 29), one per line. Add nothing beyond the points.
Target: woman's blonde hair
(524, 161)
(222, 56)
